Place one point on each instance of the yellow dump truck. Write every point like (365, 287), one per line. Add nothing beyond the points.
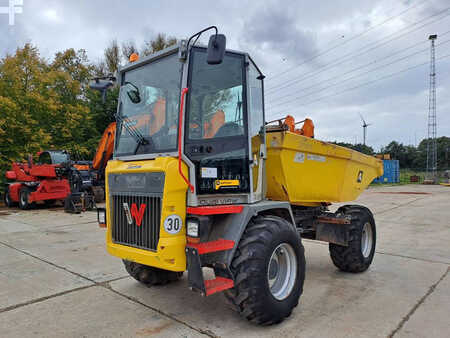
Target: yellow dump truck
(198, 180)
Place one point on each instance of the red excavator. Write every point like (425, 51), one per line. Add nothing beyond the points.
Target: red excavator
(54, 177)
(45, 181)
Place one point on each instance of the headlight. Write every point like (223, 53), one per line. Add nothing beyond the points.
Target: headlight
(101, 217)
(192, 228)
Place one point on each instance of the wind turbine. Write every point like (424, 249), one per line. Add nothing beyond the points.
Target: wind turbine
(364, 125)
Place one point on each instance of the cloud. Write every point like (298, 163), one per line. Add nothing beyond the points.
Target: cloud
(280, 36)
(275, 30)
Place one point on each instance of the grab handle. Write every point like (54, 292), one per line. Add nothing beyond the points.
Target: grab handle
(180, 126)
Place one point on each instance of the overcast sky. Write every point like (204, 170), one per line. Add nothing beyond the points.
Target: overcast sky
(327, 60)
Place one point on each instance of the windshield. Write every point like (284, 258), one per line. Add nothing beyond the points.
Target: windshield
(215, 105)
(53, 157)
(148, 108)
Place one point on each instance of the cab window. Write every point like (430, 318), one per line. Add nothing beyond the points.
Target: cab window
(215, 102)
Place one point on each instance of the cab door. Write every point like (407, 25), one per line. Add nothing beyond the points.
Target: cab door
(255, 102)
(216, 128)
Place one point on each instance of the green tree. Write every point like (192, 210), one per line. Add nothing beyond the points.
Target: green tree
(443, 153)
(362, 148)
(112, 57)
(43, 105)
(159, 43)
(21, 104)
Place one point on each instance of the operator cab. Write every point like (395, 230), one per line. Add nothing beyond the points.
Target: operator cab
(54, 157)
(222, 136)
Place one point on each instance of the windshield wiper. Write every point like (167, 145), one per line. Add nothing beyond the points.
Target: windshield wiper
(135, 133)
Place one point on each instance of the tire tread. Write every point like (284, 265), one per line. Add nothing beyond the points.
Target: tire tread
(348, 258)
(245, 297)
(149, 275)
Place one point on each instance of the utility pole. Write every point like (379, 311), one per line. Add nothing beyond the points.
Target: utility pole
(431, 142)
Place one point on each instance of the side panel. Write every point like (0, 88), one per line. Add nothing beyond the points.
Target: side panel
(51, 190)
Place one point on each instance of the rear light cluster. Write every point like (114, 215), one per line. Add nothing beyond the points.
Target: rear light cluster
(192, 227)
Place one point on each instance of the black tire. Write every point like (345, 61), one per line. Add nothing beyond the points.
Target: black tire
(24, 195)
(49, 203)
(251, 295)
(350, 258)
(7, 199)
(149, 275)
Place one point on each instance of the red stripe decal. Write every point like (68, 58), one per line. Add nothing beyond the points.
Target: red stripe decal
(215, 210)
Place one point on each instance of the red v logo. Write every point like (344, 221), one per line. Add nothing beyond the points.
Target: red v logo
(138, 215)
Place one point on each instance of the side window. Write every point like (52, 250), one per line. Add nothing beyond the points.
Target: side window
(256, 101)
(256, 116)
(216, 103)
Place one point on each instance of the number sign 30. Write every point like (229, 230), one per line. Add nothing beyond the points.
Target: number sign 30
(173, 224)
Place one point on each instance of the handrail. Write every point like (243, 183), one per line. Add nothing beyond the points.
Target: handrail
(180, 126)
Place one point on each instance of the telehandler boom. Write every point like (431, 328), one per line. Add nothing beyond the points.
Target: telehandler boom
(199, 180)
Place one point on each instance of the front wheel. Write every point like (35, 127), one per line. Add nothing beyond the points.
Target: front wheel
(149, 275)
(269, 271)
(358, 255)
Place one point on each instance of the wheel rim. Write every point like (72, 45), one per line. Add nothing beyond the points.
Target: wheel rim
(366, 240)
(282, 271)
(23, 198)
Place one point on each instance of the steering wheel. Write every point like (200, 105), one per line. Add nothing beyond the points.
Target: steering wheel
(229, 129)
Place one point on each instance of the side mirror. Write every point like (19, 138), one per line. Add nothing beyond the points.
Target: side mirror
(216, 49)
(102, 86)
(133, 92)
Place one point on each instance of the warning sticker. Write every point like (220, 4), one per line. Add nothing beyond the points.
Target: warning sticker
(317, 158)
(299, 157)
(209, 172)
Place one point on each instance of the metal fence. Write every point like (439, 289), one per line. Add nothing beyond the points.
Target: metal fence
(411, 176)
(416, 176)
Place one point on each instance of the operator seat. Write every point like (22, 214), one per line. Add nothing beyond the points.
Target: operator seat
(211, 127)
(158, 116)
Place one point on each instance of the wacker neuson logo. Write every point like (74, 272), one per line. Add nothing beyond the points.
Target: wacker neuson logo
(15, 7)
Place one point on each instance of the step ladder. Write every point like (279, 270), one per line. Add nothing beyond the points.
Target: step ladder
(194, 263)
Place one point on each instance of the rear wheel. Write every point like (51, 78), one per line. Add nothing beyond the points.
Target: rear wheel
(24, 199)
(358, 255)
(149, 275)
(269, 271)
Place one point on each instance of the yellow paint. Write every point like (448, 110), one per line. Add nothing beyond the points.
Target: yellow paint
(170, 254)
(256, 142)
(225, 183)
(306, 171)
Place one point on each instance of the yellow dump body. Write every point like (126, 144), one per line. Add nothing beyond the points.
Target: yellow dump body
(306, 171)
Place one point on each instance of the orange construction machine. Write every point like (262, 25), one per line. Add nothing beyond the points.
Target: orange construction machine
(288, 124)
(87, 181)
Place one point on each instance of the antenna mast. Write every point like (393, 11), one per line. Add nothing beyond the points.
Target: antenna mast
(431, 142)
